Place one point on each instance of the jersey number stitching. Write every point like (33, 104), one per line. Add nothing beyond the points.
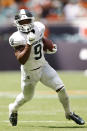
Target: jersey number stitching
(37, 51)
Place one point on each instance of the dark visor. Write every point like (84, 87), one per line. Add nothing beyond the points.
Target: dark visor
(26, 21)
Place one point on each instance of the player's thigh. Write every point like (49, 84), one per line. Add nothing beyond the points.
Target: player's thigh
(28, 88)
(51, 78)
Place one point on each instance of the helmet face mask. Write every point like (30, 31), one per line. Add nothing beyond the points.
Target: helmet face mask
(24, 21)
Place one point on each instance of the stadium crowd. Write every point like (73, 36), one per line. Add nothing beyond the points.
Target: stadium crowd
(51, 10)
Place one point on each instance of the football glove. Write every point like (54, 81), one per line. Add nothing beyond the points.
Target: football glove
(31, 38)
(54, 50)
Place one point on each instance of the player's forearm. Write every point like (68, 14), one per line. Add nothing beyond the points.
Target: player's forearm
(23, 56)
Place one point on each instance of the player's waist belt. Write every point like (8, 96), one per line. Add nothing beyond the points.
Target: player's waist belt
(36, 69)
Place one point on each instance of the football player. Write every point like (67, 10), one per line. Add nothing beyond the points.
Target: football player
(29, 46)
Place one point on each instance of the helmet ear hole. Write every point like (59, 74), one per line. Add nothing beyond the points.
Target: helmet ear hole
(17, 17)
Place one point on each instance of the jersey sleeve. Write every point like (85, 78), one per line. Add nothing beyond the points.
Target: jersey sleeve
(16, 40)
(41, 29)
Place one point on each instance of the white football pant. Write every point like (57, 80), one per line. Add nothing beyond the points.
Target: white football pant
(49, 77)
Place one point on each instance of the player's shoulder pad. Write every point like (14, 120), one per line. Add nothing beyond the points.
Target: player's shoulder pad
(16, 39)
(40, 26)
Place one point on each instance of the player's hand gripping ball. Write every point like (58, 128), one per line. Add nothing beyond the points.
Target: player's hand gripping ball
(31, 36)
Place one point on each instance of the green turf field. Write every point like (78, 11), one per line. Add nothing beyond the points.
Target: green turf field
(43, 112)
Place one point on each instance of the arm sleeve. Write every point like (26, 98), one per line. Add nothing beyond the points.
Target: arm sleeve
(16, 40)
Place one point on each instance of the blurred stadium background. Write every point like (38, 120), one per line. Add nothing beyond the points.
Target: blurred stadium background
(66, 25)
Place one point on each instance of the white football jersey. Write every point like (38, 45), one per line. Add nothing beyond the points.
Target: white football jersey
(36, 58)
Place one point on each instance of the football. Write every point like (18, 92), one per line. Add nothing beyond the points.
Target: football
(47, 44)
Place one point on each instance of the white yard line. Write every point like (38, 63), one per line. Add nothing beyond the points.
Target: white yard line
(42, 121)
(44, 94)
